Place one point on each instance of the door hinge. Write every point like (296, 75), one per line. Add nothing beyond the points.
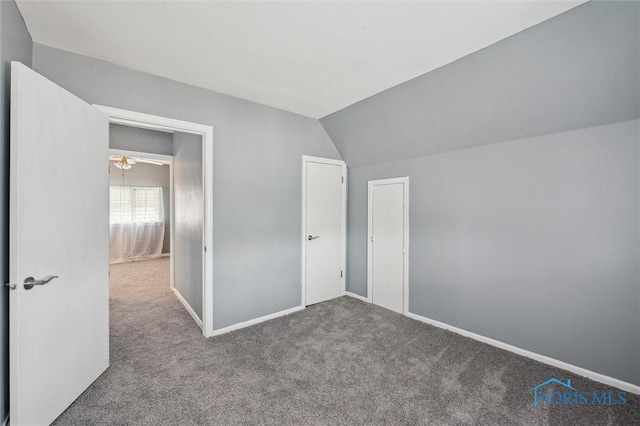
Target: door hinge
(342, 179)
(341, 274)
(205, 249)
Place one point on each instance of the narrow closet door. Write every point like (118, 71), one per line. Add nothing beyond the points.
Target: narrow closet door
(387, 243)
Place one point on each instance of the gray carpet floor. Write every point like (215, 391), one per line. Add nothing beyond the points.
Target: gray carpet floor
(338, 362)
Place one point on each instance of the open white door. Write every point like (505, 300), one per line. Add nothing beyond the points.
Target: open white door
(59, 226)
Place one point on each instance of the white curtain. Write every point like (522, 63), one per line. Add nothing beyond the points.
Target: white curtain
(136, 223)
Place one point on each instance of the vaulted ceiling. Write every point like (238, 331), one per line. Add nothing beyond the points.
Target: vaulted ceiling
(312, 58)
(577, 70)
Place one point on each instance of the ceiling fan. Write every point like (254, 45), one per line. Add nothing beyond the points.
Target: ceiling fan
(124, 163)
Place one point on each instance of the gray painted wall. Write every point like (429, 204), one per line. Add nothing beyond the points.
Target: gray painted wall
(15, 45)
(189, 218)
(142, 174)
(576, 70)
(140, 140)
(256, 180)
(531, 242)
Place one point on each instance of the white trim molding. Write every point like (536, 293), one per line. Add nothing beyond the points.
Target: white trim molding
(598, 377)
(160, 158)
(188, 307)
(170, 125)
(305, 160)
(404, 181)
(255, 321)
(356, 296)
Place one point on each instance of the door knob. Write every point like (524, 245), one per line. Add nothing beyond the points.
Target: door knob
(29, 282)
(311, 237)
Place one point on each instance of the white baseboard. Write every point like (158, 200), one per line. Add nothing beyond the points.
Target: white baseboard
(165, 255)
(629, 387)
(356, 296)
(256, 321)
(188, 307)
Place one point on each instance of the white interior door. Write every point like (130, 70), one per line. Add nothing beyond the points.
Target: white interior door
(388, 243)
(59, 226)
(324, 229)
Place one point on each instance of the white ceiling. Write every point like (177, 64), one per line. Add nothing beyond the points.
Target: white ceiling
(309, 57)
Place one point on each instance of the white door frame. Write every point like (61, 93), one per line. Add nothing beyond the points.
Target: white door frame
(405, 278)
(309, 159)
(164, 124)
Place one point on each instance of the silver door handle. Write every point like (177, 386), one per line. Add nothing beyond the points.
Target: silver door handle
(29, 282)
(311, 237)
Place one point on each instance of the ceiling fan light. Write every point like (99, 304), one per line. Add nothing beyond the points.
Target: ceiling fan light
(122, 164)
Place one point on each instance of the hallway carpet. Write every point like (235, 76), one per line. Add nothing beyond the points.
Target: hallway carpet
(338, 362)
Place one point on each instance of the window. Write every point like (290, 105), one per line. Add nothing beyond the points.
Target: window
(136, 204)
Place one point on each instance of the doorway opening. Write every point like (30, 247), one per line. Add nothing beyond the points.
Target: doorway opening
(140, 217)
(190, 202)
(140, 193)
